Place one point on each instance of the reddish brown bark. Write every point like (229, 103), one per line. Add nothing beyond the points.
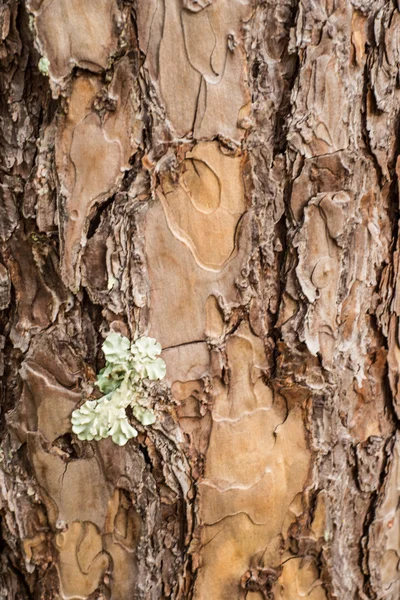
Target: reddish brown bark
(220, 175)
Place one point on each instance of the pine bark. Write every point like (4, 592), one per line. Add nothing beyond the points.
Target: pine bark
(221, 175)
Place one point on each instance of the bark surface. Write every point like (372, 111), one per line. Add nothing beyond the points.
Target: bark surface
(221, 175)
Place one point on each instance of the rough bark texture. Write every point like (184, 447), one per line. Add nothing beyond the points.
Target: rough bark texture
(220, 175)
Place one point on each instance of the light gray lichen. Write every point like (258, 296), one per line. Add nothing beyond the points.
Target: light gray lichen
(123, 382)
(43, 66)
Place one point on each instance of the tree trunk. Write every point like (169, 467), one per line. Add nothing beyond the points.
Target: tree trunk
(220, 175)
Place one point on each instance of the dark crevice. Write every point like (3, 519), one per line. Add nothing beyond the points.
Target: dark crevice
(369, 95)
(370, 517)
(101, 209)
(188, 343)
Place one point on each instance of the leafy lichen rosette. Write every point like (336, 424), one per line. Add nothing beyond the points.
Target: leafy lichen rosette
(123, 381)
